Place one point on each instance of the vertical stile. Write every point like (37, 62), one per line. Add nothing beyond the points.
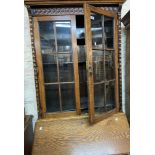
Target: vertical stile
(116, 63)
(40, 67)
(75, 60)
(89, 64)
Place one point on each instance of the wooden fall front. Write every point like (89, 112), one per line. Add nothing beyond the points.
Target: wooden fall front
(75, 136)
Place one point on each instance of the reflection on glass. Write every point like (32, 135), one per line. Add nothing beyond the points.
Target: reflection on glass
(99, 98)
(47, 40)
(63, 34)
(66, 68)
(68, 97)
(97, 31)
(109, 65)
(110, 95)
(108, 30)
(52, 98)
(98, 65)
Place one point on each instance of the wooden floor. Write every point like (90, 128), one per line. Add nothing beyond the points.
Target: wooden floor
(76, 137)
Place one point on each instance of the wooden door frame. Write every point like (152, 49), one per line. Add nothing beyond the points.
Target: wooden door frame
(40, 65)
(88, 39)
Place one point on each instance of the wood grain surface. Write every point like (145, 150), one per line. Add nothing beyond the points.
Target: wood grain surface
(69, 2)
(75, 136)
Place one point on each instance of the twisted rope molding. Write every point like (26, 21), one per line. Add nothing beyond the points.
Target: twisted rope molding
(34, 62)
(120, 57)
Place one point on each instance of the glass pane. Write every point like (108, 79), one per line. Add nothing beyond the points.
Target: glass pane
(66, 67)
(83, 79)
(83, 97)
(47, 40)
(99, 98)
(63, 34)
(109, 65)
(109, 30)
(50, 68)
(80, 31)
(110, 95)
(48, 58)
(46, 29)
(83, 83)
(52, 98)
(81, 54)
(98, 65)
(68, 97)
(97, 31)
(82, 72)
(50, 73)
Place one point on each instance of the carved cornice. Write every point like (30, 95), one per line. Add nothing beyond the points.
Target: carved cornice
(57, 11)
(64, 11)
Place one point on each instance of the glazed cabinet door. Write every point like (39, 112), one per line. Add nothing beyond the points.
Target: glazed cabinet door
(55, 44)
(102, 62)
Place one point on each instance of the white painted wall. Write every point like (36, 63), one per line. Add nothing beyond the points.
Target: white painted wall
(125, 9)
(29, 84)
